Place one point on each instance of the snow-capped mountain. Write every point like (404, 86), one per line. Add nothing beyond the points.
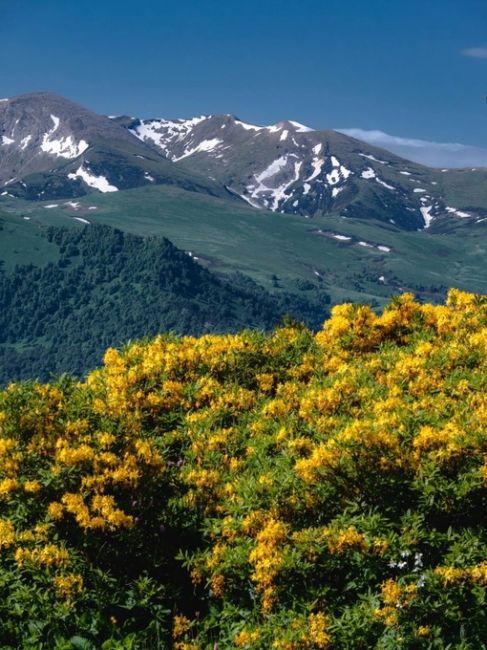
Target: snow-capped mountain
(291, 168)
(53, 148)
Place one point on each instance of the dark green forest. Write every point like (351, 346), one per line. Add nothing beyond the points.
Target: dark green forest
(109, 287)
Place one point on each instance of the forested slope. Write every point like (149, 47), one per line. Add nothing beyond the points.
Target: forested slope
(108, 287)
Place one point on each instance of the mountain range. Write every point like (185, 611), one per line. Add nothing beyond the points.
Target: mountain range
(52, 148)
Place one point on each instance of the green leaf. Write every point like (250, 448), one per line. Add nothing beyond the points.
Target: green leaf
(80, 643)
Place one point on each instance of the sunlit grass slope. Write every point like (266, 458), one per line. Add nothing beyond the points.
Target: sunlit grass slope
(288, 491)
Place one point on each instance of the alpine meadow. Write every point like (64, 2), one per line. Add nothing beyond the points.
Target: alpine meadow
(243, 325)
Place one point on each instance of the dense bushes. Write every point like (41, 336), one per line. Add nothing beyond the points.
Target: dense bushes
(287, 491)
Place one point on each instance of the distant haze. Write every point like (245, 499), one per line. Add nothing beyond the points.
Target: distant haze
(433, 154)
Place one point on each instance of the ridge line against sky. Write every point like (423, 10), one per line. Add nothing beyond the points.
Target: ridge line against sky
(411, 68)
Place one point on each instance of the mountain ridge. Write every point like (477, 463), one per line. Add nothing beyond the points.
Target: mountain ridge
(51, 148)
(267, 167)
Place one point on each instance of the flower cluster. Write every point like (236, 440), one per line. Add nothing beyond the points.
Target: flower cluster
(289, 491)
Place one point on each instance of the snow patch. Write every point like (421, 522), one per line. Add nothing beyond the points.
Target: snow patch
(250, 201)
(419, 190)
(317, 164)
(51, 205)
(368, 173)
(204, 145)
(161, 132)
(381, 182)
(426, 212)
(97, 182)
(82, 220)
(249, 127)
(458, 213)
(262, 189)
(341, 237)
(370, 157)
(56, 123)
(6, 140)
(300, 128)
(385, 249)
(333, 177)
(25, 141)
(64, 147)
(405, 173)
(284, 135)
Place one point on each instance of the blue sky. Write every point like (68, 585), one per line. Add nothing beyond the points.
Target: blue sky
(415, 69)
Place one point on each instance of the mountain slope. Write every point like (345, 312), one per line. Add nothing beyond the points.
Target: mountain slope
(352, 259)
(291, 168)
(51, 147)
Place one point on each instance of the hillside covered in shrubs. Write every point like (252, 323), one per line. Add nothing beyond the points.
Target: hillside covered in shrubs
(288, 490)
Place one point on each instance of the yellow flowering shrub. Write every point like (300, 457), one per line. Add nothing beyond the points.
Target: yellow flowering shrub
(287, 490)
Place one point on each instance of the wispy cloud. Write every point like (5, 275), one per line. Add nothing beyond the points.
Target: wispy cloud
(426, 152)
(476, 52)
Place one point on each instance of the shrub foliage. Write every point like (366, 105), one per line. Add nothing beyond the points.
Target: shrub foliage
(288, 490)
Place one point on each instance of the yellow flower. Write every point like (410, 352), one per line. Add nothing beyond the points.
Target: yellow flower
(69, 584)
(55, 510)
(246, 638)
(450, 574)
(180, 626)
(7, 533)
(32, 486)
(7, 486)
(317, 633)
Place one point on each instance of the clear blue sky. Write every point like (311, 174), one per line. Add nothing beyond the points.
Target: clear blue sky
(393, 65)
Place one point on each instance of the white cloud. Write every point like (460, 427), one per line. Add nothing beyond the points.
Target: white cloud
(434, 154)
(476, 52)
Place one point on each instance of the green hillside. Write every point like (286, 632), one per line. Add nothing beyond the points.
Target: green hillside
(227, 236)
